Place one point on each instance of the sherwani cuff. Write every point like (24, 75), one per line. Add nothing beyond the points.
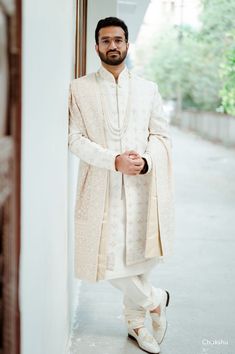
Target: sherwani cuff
(113, 156)
(149, 161)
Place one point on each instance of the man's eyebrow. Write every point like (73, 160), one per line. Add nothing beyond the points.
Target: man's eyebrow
(107, 37)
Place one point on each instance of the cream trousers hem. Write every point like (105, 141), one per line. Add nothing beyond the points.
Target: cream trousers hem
(139, 296)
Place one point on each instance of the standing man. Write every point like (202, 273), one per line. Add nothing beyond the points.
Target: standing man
(124, 204)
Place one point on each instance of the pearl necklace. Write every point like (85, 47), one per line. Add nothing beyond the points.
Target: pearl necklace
(117, 133)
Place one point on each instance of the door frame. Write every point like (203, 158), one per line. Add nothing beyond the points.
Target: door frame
(11, 180)
(80, 38)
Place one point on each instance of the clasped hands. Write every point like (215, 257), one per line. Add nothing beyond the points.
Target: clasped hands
(129, 163)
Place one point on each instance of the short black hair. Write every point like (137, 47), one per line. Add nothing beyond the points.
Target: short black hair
(110, 21)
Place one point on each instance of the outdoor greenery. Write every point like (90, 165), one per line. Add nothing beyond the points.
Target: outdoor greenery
(199, 64)
(228, 78)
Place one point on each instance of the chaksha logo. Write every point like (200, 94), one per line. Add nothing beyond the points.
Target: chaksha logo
(209, 342)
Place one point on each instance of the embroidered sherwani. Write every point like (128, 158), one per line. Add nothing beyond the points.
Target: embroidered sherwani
(119, 219)
(120, 238)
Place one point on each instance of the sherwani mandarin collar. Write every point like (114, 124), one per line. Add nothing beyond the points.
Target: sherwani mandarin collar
(108, 76)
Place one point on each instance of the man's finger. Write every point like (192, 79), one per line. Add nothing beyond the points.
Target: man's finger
(138, 163)
(137, 168)
(132, 156)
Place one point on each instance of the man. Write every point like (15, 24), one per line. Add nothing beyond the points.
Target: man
(124, 205)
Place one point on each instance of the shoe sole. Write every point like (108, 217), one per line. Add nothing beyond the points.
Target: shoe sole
(146, 351)
(167, 303)
(168, 298)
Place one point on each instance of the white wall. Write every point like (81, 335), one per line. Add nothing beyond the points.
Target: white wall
(45, 288)
(73, 283)
(96, 10)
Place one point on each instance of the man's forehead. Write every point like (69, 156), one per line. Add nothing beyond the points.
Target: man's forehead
(111, 31)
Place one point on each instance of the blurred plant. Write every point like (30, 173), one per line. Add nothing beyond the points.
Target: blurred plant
(196, 60)
(227, 93)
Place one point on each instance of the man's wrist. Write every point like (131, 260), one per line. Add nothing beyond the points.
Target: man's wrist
(145, 168)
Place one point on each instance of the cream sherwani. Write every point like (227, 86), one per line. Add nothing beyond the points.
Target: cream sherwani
(116, 100)
(123, 223)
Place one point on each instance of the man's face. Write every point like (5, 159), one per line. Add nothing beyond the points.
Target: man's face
(112, 47)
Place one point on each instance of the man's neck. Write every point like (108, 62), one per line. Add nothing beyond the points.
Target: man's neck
(114, 69)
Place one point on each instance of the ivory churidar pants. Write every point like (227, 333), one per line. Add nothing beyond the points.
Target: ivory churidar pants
(139, 296)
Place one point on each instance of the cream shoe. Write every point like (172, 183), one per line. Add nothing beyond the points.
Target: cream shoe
(159, 322)
(145, 340)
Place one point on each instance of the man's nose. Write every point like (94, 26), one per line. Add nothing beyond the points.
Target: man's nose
(112, 45)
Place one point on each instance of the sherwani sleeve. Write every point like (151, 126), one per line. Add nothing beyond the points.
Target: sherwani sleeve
(159, 141)
(79, 142)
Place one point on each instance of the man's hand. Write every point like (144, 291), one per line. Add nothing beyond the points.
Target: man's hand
(129, 163)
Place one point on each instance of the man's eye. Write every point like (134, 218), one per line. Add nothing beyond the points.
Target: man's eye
(106, 41)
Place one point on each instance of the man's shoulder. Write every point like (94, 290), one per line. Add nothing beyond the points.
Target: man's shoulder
(83, 81)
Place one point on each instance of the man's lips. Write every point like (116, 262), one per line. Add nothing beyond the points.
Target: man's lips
(114, 53)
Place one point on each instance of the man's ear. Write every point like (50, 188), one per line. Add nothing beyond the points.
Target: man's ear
(97, 48)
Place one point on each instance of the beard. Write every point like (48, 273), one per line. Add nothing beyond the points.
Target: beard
(110, 59)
